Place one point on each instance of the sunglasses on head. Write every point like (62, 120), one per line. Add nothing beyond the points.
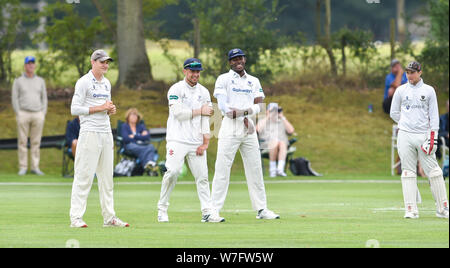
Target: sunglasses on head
(193, 65)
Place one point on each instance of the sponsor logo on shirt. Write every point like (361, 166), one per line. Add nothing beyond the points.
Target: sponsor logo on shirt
(173, 97)
(242, 90)
(100, 96)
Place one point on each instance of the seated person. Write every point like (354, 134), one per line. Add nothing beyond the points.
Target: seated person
(394, 79)
(136, 139)
(443, 132)
(274, 130)
(72, 133)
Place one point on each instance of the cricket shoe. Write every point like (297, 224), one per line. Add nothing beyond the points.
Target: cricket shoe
(273, 174)
(162, 216)
(411, 215)
(265, 214)
(442, 214)
(37, 172)
(281, 174)
(213, 217)
(78, 223)
(22, 172)
(116, 222)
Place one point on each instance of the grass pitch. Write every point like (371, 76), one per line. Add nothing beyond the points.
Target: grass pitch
(324, 212)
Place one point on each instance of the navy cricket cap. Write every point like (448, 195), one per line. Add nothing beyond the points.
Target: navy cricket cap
(29, 59)
(236, 52)
(193, 64)
(414, 66)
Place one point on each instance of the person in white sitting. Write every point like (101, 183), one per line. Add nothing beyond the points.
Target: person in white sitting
(273, 132)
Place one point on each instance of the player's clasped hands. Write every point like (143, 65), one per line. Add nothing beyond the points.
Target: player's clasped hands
(201, 149)
(207, 110)
(110, 107)
(235, 113)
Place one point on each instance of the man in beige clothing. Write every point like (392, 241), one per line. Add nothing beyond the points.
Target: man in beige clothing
(29, 101)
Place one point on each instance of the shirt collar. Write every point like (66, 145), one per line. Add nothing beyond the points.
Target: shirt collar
(419, 84)
(237, 75)
(91, 76)
(25, 75)
(189, 86)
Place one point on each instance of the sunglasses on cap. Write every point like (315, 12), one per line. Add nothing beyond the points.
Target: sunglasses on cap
(193, 65)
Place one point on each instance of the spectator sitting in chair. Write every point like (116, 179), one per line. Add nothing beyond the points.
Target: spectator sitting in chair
(72, 133)
(443, 132)
(274, 130)
(136, 139)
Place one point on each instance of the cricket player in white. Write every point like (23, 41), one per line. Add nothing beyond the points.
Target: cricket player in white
(188, 136)
(95, 150)
(415, 109)
(239, 95)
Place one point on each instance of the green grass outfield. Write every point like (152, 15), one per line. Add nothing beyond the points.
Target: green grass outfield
(315, 212)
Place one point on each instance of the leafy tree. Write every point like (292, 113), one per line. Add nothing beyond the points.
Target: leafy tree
(225, 25)
(70, 37)
(12, 15)
(130, 23)
(435, 56)
(360, 44)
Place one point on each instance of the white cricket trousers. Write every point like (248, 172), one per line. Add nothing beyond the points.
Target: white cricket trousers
(95, 156)
(249, 147)
(176, 152)
(409, 150)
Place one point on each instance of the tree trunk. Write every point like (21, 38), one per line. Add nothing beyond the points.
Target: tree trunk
(42, 22)
(2, 67)
(196, 37)
(134, 65)
(392, 38)
(327, 42)
(401, 25)
(344, 59)
(318, 21)
(105, 18)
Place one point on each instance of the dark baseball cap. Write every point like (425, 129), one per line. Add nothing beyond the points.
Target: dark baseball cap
(29, 59)
(394, 62)
(236, 52)
(100, 55)
(193, 64)
(414, 66)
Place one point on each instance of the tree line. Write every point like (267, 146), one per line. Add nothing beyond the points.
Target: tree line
(71, 31)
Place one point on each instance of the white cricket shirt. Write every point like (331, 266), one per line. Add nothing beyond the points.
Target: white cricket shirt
(240, 91)
(187, 131)
(90, 92)
(415, 108)
(240, 94)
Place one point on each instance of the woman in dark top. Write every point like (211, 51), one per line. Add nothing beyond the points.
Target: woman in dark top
(136, 139)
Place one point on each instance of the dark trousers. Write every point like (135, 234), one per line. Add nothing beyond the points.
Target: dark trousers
(387, 105)
(438, 151)
(145, 152)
